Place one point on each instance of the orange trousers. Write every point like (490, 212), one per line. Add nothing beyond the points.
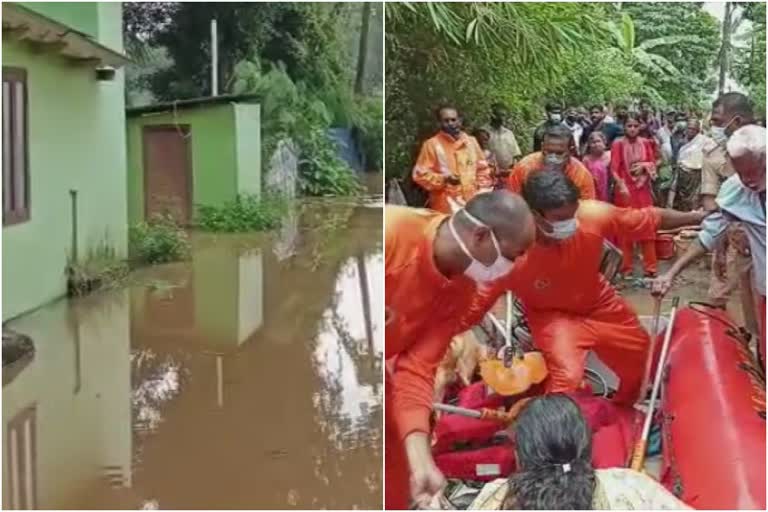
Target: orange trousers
(396, 473)
(611, 329)
(648, 249)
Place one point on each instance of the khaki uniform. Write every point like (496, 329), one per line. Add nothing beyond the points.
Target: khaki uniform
(714, 171)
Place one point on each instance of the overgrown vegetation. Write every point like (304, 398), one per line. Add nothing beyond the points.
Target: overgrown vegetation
(292, 110)
(246, 213)
(526, 54)
(160, 240)
(101, 268)
(298, 57)
(749, 54)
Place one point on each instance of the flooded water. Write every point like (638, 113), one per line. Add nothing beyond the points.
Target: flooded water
(249, 377)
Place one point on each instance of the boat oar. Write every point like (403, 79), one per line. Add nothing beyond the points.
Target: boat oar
(638, 453)
(652, 349)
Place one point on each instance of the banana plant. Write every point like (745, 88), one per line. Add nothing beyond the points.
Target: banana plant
(641, 56)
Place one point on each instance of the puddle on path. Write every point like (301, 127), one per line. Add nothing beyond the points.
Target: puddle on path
(692, 285)
(249, 377)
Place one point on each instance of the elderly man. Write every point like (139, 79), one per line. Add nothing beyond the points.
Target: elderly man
(740, 199)
(502, 142)
(731, 261)
(439, 270)
(689, 162)
(556, 156)
(451, 164)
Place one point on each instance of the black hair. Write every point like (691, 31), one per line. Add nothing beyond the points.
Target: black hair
(552, 106)
(621, 106)
(596, 106)
(557, 131)
(632, 116)
(551, 432)
(446, 106)
(736, 104)
(478, 131)
(547, 190)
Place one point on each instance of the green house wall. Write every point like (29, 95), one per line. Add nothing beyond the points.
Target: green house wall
(83, 16)
(76, 141)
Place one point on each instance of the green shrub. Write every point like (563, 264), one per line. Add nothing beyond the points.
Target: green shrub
(321, 171)
(160, 240)
(246, 213)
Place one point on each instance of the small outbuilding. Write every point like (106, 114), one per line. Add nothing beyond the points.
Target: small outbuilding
(202, 151)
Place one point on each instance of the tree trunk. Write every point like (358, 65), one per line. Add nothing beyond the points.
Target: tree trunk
(363, 47)
(725, 47)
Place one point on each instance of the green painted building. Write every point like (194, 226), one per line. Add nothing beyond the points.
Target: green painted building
(181, 154)
(63, 138)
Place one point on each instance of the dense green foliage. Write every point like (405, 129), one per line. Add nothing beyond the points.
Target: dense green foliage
(246, 213)
(160, 240)
(692, 55)
(294, 110)
(525, 54)
(749, 55)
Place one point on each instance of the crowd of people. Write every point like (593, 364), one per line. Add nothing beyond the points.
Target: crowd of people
(536, 225)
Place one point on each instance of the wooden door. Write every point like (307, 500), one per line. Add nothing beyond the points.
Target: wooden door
(168, 172)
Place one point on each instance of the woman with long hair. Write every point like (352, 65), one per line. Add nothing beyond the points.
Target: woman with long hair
(633, 163)
(553, 446)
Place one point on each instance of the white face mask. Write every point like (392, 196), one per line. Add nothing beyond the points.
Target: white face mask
(553, 159)
(477, 271)
(555, 118)
(562, 229)
(718, 134)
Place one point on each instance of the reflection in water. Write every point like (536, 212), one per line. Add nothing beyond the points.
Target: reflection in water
(346, 362)
(249, 377)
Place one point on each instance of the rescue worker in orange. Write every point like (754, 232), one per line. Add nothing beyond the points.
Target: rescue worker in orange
(555, 155)
(570, 307)
(451, 164)
(437, 268)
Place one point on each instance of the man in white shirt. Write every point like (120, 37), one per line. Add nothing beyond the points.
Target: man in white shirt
(502, 143)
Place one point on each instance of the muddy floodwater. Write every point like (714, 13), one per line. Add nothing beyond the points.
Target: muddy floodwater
(248, 377)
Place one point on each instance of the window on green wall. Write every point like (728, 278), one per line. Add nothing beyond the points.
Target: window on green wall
(15, 165)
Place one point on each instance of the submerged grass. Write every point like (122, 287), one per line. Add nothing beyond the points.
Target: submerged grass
(101, 268)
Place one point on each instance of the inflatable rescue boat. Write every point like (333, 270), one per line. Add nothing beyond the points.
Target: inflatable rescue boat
(713, 415)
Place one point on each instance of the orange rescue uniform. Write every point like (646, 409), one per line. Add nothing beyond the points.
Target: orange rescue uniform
(572, 309)
(424, 311)
(534, 162)
(443, 156)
